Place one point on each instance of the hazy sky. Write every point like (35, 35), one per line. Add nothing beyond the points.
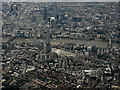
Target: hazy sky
(60, 0)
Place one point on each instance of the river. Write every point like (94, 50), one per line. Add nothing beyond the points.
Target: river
(101, 44)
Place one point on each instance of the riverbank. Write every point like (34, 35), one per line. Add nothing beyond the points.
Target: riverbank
(101, 44)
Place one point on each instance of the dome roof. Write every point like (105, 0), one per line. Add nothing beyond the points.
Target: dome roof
(53, 55)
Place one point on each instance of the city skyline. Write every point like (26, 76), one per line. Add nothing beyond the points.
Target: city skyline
(60, 45)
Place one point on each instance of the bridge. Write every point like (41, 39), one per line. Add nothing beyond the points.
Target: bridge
(11, 39)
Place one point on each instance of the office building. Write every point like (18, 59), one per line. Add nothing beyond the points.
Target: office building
(52, 23)
(45, 14)
(47, 46)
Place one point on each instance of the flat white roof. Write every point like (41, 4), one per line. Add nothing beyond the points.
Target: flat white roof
(62, 52)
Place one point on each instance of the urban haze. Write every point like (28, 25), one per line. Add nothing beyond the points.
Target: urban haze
(60, 45)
